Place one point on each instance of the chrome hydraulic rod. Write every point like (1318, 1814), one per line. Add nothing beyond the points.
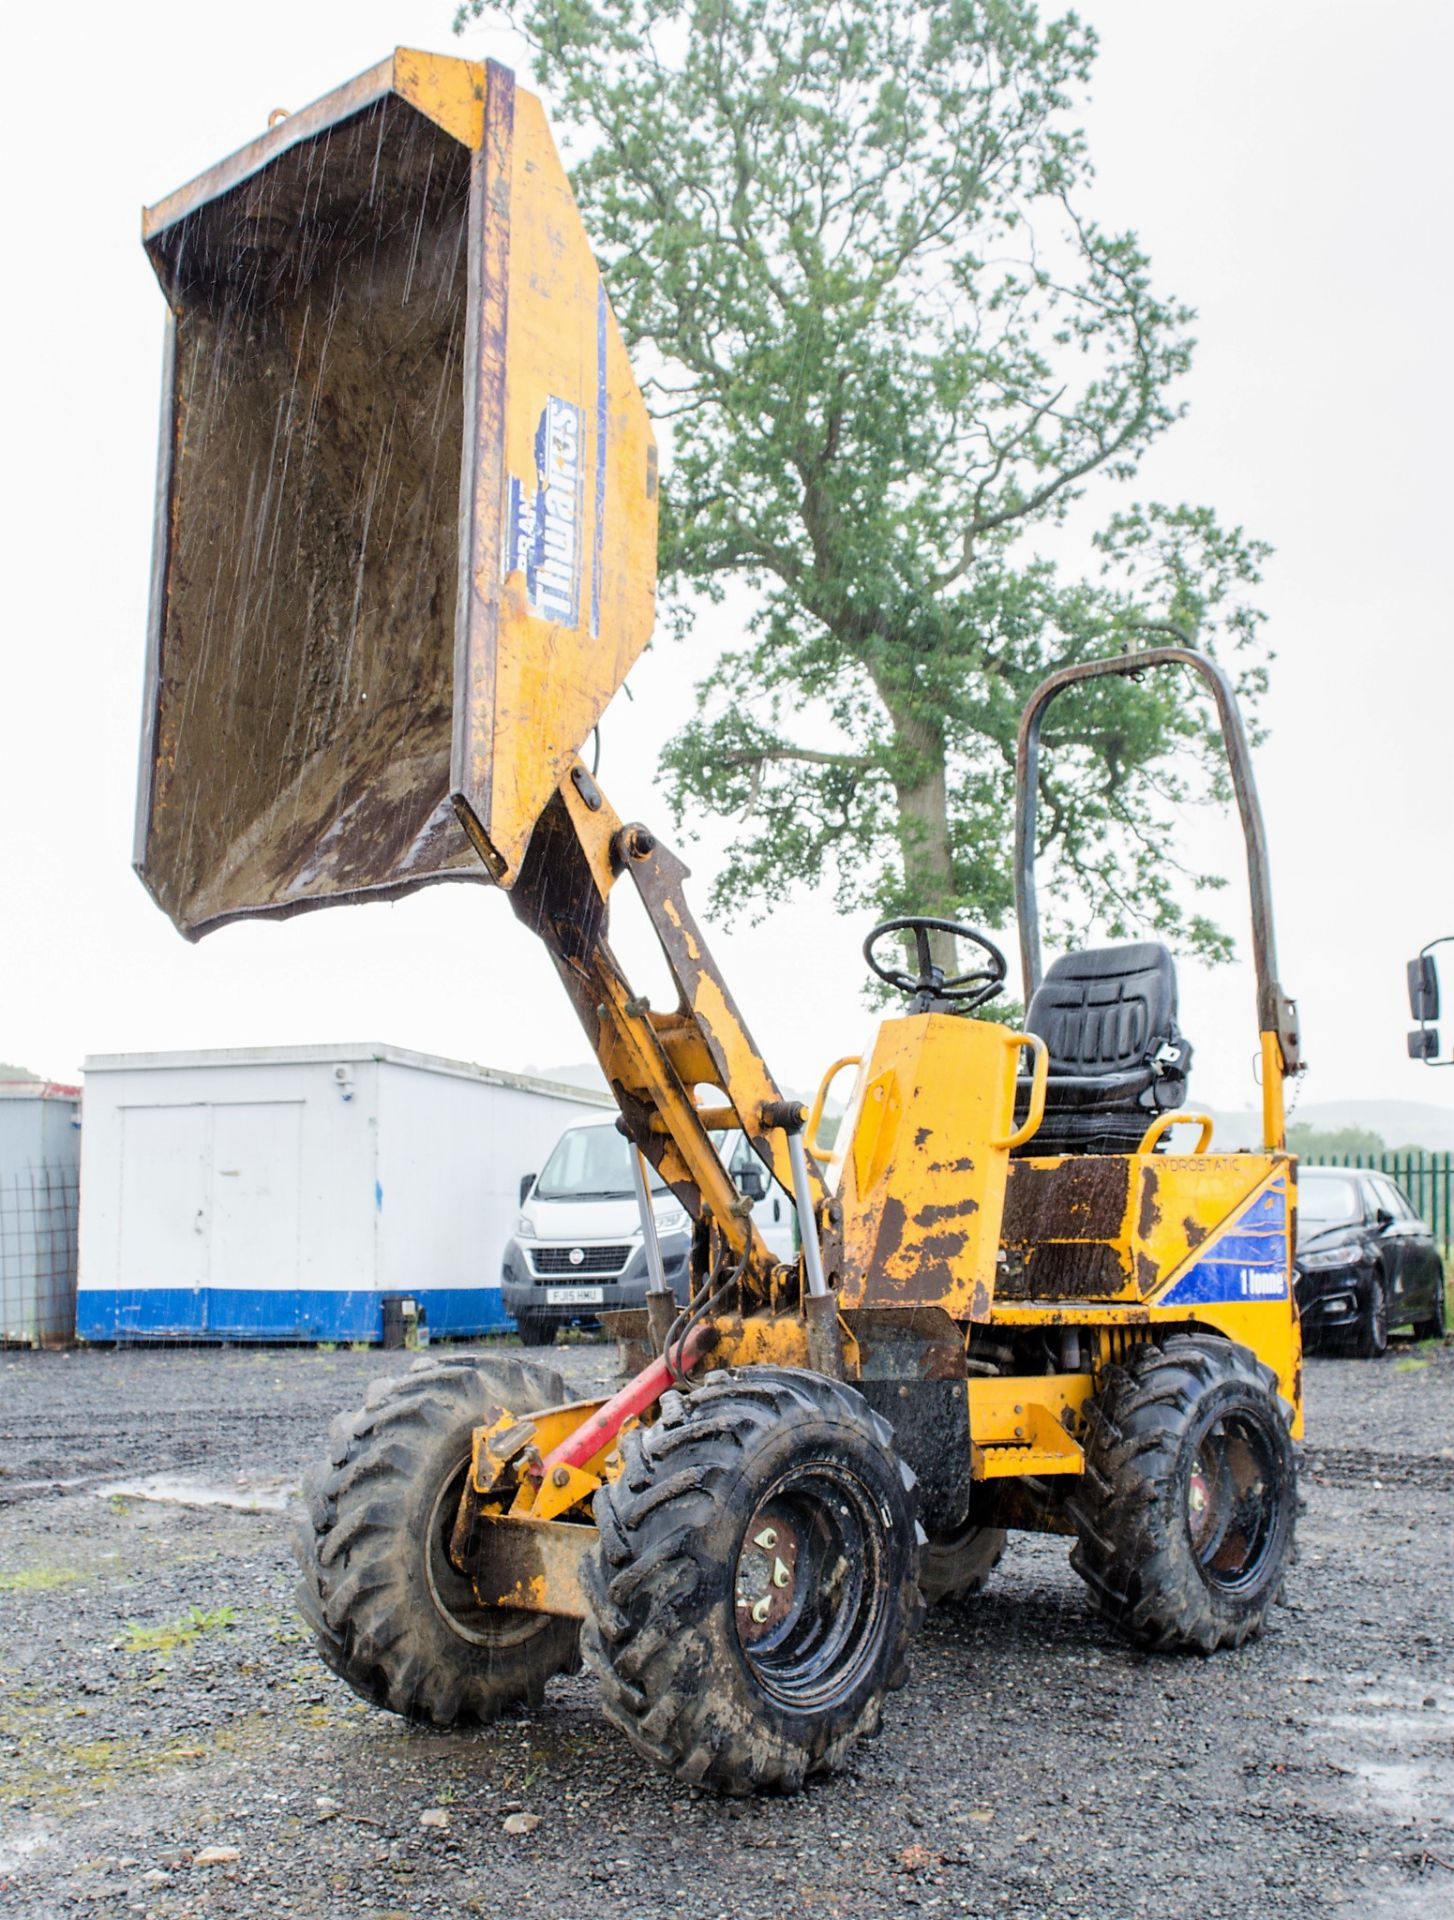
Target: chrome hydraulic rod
(654, 1266)
(807, 1222)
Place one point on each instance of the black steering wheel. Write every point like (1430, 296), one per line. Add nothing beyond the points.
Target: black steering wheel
(932, 991)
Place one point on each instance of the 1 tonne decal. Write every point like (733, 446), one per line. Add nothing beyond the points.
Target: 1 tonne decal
(1246, 1261)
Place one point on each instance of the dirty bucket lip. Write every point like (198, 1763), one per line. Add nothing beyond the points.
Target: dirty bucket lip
(355, 96)
(392, 76)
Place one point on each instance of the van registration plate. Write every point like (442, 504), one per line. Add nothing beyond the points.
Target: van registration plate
(574, 1296)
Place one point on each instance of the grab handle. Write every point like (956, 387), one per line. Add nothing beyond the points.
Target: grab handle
(1040, 1073)
(825, 1155)
(1164, 1122)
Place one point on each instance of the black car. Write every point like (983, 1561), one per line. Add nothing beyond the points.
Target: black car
(1364, 1262)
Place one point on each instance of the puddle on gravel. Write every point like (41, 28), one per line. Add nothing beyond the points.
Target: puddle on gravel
(18, 1847)
(1397, 1749)
(245, 1494)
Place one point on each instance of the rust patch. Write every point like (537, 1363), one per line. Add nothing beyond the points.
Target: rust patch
(943, 1246)
(1147, 1272)
(1150, 1217)
(893, 1225)
(962, 1165)
(923, 1136)
(979, 1305)
(952, 1210)
(1195, 1233)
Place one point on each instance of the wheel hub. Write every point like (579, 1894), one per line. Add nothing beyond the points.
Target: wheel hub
(767, 1575)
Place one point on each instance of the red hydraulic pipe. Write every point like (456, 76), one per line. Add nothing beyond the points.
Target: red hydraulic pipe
(635, 1397)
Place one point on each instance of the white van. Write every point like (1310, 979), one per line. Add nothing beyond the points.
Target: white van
(577, 1250)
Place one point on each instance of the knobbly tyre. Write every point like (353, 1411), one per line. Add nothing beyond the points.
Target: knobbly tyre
(404, 557)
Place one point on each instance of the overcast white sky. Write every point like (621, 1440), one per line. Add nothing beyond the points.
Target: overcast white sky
(1288, 168)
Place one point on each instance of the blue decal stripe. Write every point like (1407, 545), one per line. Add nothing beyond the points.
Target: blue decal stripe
(1246, 1262)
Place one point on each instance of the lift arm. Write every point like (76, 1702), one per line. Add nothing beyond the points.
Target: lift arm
(657, 1062)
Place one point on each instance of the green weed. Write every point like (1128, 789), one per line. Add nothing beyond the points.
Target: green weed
(178, 1633)
(37, 1579)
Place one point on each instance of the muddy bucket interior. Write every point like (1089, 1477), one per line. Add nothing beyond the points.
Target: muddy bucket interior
(340, 621)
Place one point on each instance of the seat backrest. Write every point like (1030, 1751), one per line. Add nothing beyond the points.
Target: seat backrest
(1107, 1010)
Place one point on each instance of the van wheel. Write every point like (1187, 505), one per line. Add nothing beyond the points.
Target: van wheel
(536, 1330)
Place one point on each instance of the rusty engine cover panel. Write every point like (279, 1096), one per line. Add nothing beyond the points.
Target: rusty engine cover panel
(1067, 1228)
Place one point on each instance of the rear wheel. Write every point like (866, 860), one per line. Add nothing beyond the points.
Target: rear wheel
(1435, 1325)
(956, 1565)
(390, 1612)
(754, 1588)
(1185, 1510)
(1370, 1338)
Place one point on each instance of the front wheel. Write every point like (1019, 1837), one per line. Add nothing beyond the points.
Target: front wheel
(1371, 1337)
(390, 1612)
(754, 1588)
(1185, 1510)
(535, 1330)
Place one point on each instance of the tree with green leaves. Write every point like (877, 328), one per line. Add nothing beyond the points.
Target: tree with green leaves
(899, 365)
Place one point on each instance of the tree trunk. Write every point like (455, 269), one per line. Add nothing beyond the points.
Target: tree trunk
(923, 801)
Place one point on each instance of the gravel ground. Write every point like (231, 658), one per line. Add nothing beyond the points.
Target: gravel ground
(158, 1699)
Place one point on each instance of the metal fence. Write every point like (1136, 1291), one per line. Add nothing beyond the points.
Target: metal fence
(39, 1210)
(1427, 1179)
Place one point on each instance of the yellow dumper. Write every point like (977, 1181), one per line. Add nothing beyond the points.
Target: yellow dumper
(404, 557)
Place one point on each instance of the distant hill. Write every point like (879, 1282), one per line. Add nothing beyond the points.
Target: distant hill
(1401, 1123)
(16, 1073)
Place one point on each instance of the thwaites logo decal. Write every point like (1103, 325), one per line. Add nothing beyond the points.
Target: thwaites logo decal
(543, 537)
(1247, 1260)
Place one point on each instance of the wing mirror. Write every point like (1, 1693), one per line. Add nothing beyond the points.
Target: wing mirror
(527, 1181)
(750, 1177)
(1424, 988)
(1424, 1006)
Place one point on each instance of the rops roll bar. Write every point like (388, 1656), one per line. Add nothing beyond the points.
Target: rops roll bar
(1276, 1013)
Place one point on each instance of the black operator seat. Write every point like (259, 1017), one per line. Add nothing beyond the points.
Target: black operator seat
(1108, 1018)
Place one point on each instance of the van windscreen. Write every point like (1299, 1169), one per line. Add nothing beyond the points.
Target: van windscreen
(590, 1163)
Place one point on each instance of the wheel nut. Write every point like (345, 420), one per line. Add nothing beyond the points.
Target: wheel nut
(762, 1610)
(767, 1539)
(561, 1477)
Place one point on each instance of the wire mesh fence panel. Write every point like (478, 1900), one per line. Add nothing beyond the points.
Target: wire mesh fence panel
(39, 1210)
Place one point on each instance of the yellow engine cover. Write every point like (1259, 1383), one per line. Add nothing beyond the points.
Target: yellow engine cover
(922, 1188)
